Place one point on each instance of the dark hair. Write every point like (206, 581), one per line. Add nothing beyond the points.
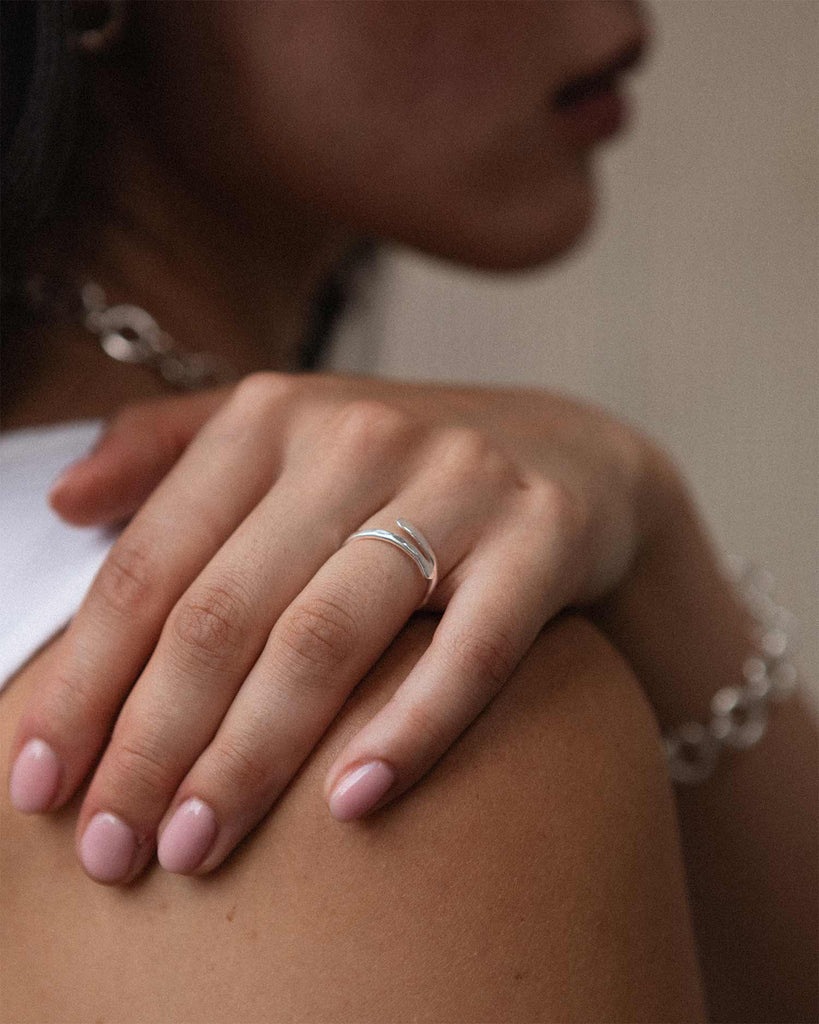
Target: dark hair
(39, 78)
(41, 92)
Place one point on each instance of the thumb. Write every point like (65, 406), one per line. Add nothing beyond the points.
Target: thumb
(137, 449)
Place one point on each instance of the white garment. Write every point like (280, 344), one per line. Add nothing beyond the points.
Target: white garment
(46, 566)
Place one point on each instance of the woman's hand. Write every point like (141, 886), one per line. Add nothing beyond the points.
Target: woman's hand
(233, 623)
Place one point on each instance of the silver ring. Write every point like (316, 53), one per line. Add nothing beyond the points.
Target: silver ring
(420, 551)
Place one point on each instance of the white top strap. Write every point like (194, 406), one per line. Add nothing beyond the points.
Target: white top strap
(46, 566)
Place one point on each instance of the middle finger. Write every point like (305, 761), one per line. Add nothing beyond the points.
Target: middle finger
(206, 648)
(318, 651)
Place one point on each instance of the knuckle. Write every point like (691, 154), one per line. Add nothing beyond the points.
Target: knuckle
(423, 724)
(559, 508)
(127, 578)
(139, 770)
(367, 427)
(258, 391)
(72, 702)
(472, 455)
(466, 445)
(210, 623)
(258, 405)
(489, 654)
(239, 767)
(318, 632)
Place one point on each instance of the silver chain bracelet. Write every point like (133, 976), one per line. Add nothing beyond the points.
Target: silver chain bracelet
(739, 714)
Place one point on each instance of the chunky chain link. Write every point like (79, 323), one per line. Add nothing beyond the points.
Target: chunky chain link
(739, 714)
(126, 333)
(131, 335)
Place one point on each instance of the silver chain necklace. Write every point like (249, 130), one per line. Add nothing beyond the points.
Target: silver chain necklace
(739, 715)
(130, 334)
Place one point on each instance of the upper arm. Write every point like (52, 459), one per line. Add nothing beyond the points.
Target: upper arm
(534, 874)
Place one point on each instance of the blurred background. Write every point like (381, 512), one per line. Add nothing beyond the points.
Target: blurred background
(691, 309)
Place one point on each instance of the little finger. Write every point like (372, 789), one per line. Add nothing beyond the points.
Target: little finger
(489, 624)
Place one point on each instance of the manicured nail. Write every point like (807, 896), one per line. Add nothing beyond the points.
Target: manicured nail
(34, 778)
(187, 837)
(107, 848)
(360, 790)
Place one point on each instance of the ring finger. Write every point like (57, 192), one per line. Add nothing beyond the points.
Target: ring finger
(317, 652)
(208, 644)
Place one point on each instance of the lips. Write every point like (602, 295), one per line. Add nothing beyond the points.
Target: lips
(602, 79)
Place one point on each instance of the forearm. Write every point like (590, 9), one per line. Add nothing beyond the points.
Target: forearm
(750, 832)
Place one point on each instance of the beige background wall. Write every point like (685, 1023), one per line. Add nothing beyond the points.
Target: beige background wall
(693, 307)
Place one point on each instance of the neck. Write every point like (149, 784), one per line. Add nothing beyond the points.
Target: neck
(211, 281)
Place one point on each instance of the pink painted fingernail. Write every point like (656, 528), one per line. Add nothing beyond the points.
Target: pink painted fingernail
(360, 790)
(188, 837)
(107, 848)
(34, 777)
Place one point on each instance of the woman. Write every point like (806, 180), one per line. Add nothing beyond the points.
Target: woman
(227, 174)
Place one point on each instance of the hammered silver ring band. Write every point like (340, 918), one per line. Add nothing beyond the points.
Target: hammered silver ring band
(417, 547)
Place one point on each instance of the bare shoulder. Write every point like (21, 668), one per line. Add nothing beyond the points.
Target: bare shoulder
(539, 852)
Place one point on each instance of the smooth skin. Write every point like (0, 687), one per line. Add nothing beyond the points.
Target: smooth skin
(750, 833)
(224, 197)
(535, 877)
(228, 206)
(256, 624)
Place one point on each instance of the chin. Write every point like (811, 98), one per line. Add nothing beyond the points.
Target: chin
(508, 239)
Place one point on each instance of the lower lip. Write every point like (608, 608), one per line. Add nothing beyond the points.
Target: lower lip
(598, 117)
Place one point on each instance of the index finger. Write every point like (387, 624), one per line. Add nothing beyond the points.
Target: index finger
(137, 449)
(197, 506)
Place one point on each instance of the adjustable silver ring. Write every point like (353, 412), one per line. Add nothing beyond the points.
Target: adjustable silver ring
(420, 551)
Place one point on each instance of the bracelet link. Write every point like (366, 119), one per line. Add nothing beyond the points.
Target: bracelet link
(692, 753)
(739, 714)
(738, 719)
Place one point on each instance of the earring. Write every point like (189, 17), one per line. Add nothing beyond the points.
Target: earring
(104, 36)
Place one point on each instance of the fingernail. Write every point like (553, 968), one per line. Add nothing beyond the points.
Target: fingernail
(360, 790)
(34, 777)
(107, 848)
(187, 837)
